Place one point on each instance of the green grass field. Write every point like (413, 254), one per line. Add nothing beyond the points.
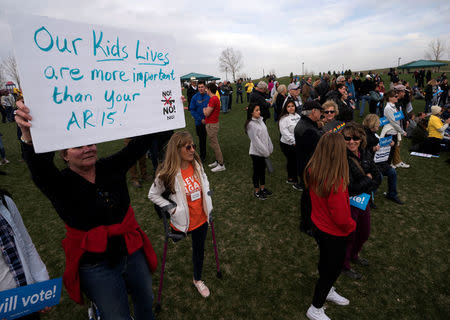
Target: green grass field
(269, 267)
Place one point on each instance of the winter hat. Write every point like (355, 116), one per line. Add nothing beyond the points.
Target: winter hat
(435, 110)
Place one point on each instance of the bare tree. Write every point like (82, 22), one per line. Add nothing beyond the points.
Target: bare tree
(9, 66)
(436, 49)
(230, 60)
(2, 78)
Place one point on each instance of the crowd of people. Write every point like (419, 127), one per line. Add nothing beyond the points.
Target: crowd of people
(329, 157)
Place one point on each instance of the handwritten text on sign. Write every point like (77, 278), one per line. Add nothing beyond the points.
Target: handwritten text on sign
(84, 82)
(21, 301)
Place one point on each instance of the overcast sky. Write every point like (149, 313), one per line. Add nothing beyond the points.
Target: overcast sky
(272, 35)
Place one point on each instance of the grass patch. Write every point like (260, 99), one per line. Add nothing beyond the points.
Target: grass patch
(270, 268)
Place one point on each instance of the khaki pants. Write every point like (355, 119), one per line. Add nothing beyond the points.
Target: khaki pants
(212, 129)
(396, 157)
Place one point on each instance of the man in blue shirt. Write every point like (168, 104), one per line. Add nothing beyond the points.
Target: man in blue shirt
(198, 102)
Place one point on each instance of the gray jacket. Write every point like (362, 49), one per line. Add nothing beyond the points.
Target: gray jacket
(260, 143)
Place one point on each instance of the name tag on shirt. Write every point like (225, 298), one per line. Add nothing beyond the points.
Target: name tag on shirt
(195, 195)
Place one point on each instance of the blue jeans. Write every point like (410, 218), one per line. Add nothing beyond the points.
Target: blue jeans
(391, 175)
(364, 98)
(108, 286)
(224, 103)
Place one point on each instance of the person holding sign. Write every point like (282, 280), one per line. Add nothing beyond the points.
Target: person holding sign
(326, 177)
(380, 154)
(364, 178)
(393, 128)
(182, 176)
(107, 253)
(20, 264)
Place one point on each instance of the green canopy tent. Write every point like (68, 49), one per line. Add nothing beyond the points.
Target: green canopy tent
(198, 76)
(419, 64)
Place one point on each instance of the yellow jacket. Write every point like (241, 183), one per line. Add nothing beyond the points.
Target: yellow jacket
(435, 127)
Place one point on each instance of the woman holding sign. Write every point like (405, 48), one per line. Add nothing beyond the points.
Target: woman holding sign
(107, 253)
(364, 178)
(181, 179)
(326, 177)
(371, 125)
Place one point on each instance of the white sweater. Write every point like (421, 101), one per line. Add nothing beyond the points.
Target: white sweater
(287, 125)
(180, 214)
(260, 143)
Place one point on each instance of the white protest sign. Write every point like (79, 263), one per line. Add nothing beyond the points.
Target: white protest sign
(87, 84)
(382, 154)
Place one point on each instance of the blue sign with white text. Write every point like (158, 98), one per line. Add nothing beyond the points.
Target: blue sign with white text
(360, 201)
(397, 116)
(18, 302)
(385, 141)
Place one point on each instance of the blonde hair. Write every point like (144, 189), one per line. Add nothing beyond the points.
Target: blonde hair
(170, 167)
(371, 121)
(331, 103)
(327, 169)
(281, 88)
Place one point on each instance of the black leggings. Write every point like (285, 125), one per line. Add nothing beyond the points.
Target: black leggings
(332, 256)
(259, 171)
(198, 249)
(291, 166)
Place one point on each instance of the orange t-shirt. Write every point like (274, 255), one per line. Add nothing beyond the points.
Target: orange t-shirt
(194, 197)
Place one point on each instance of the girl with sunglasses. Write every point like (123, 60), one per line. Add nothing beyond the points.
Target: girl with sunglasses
(181, 180)
(364, 178)
(287, 123)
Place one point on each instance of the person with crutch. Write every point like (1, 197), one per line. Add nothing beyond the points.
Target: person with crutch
(182, 179)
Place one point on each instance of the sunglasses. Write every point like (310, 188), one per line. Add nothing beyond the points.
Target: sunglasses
(190, 146)
(355, 138)
(327, 112)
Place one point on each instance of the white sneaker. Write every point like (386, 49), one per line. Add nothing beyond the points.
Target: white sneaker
(335, 297)
(218, 168)
(5, 161)
(403, 165)
(316, 314)
(202, 288)
(213, 165)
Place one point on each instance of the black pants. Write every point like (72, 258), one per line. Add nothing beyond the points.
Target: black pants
(259, 171)
(332, 255)
(201, 133)
(433, 146)
(305, 212)
(248, 96)
(230, 101)
(198, 249)
(3, 112)
(239, 94)
(291, 166)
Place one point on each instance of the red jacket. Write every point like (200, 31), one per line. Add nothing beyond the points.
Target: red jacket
(332, 214)
(78, 242)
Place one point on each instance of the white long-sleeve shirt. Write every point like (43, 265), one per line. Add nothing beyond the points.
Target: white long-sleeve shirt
(389, 112)
(287, 125)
